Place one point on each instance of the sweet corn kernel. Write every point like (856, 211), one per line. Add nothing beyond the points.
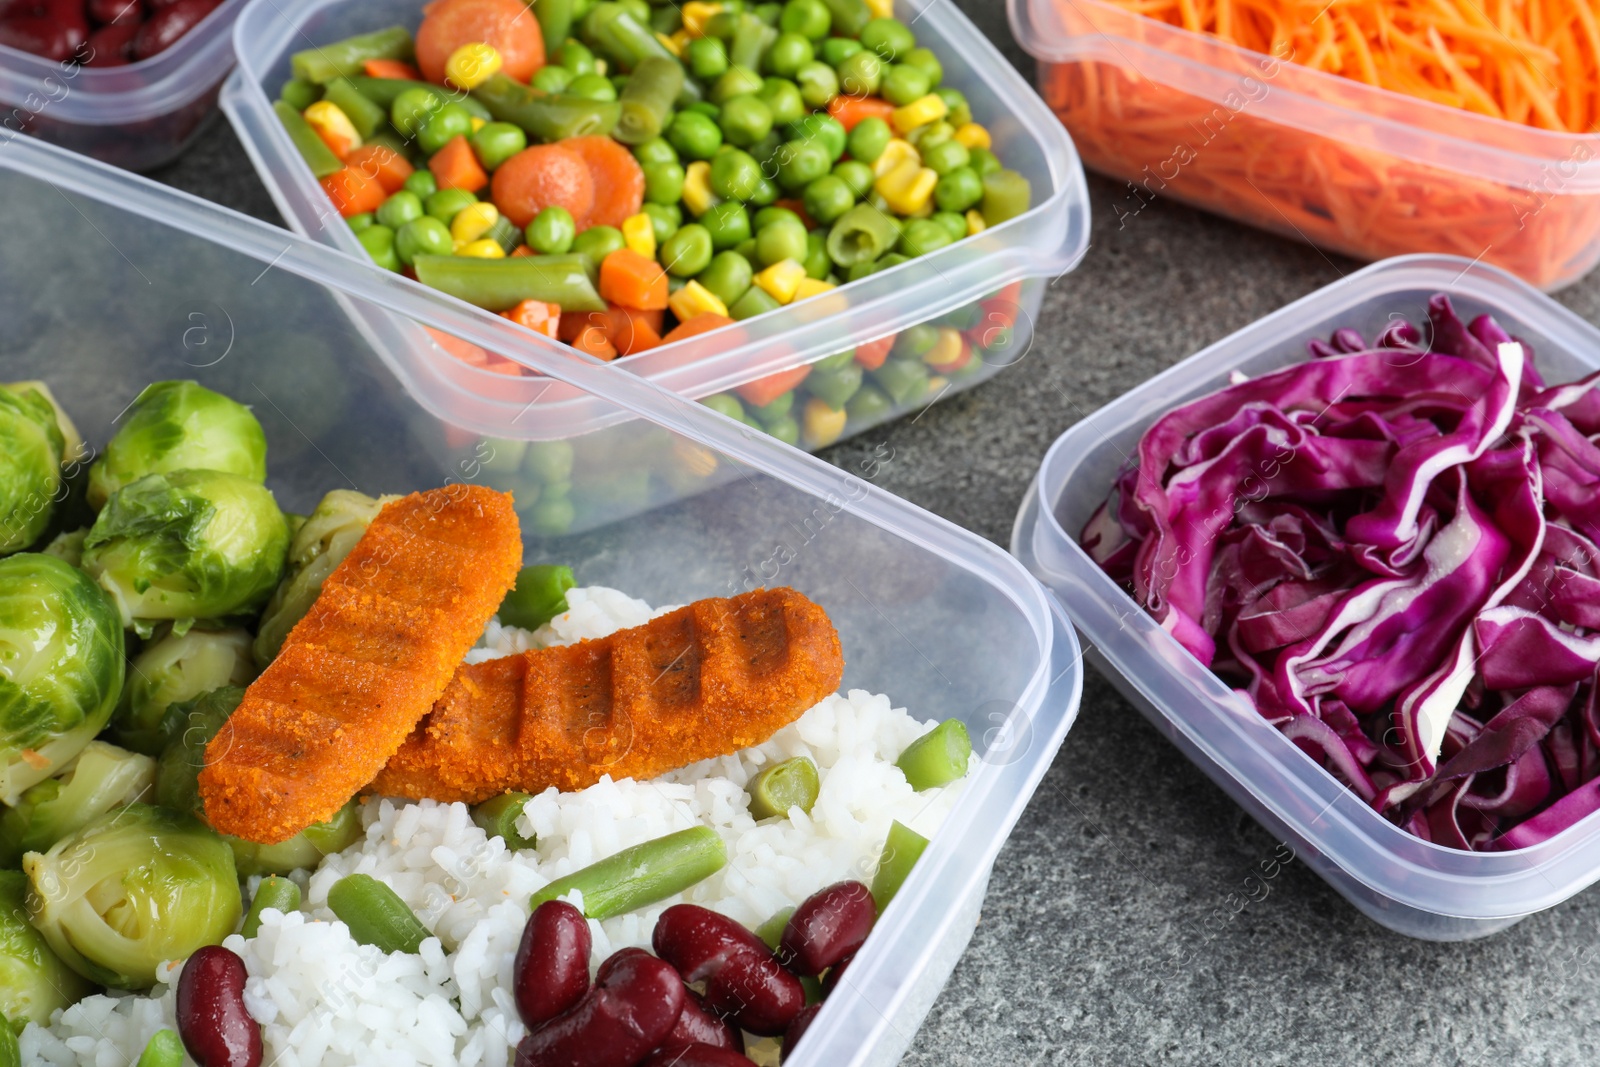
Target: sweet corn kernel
(881, 9)
(810, 287)
(782, 279)
(473, 221)
(697, 192)
(946, 350)
(472, 64)
(972, 136)
(483, 248)
(697, 460)
(333, 126)
(640, 234)
(822, 424)
(478, 124)
(920, 112)
(895, 153)
(680, 43)
(975, 223)
(695, 299)
(669, 44)
(935, 386)
(908, 188)
(696, 13)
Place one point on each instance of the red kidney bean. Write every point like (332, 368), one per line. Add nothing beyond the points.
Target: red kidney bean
(109, 45)
(44, 35)
(115, 12)
(697, 1025)
(827, 927)
(797, 1029)
(633, 1004)
(695, 1056)
(212, 1020)
(551, 972)
(162, 30)
(834, 976)
(744, 981)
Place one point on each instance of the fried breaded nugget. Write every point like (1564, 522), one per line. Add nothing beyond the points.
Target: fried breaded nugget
(703, 681)
(368, 661)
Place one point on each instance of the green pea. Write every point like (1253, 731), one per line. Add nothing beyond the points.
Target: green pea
(788, 54)
(785, 429)
(665, 219)
(984, 162)
(835, 50)
(960, 112)
(902, 84)
(687, 252)
(818, 84)
(945, 157)
(817, 263)
(931, 134)
(592, 87)
(955, 225)
(706, 108)
(780, 407)
(958, 190)
(768, 215)
(427, 236)
(736, 81)
(412, 110)
(924, 60)
(357, 223)
(552, 78)
(552, 231)
(446, 203)
(400, 209)
(860, 74)
(550, 517)
(856, 175)
(421, 182)
(809, 18)
(835, 386)
(747, 249)
(903, 379)
(728, 276)
(780, 241)
(694, 135)
(922, 236)
(870, 404)
(725, 404)
(378, 240)
(496, 142)
(598, 242)
(746, 119)
(914, 342)
(827, 198)
(734, 174)
(766, 193)
(575, 57)
(768, 13)
(869, 138)
(824, 128)
(802, 162)
(783, 98)
(728, 223)
(663, 183)
(890, 38)
(708, 58)
(452, 121)
(655, 150)
(755, 301)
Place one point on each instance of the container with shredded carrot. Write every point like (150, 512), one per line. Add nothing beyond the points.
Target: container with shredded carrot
(1369, 127)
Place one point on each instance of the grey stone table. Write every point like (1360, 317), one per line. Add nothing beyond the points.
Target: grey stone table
(1106, 938)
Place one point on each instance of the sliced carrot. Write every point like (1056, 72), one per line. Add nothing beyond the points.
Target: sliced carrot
(538, 316)
(849, 110)
(456, 166)
(502, 365)
(391, 68)
(593, 341)
(764, 391)
(522, 250)
(632, 330)
(546, 175)
(617, 177)
(704, 322)
(389, 167)
(353, 193)
(507, 25)
(872, 355)
(799, 208)
(465, 351)
(633, 280)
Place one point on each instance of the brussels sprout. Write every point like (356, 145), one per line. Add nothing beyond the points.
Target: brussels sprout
(73, 450)
(191, 725)
(67, 546)
(137, 886)
(193, 544)
(177, 667)
(319, 545)
(101, 778)
(30, 467)
(174, 426)
(33, 980)
(61, 667)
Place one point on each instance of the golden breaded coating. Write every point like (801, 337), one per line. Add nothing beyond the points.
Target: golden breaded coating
(703, 681)
(367, 662)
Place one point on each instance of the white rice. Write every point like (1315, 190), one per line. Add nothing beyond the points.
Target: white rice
(323, 999)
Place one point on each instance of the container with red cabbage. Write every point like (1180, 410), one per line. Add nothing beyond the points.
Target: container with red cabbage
(1390, 548)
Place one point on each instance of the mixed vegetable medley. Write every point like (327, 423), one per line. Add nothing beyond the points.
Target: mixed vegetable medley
(1391, 549)
(619, 175)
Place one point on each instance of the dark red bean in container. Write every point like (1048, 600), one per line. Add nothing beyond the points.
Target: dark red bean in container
(45, 36)
(551, 972)
(797, 1030)
(113, 12)
(162, 30)
(697, 1025)
(111, 46)
(744, 981)
(834, 976)
(695, 1056)
(632, 1006)
(212, 1020)
(827, 927)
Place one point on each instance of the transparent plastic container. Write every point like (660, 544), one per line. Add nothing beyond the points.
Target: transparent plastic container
(1409, 885)
(1344, 165)
(140, 116)
(988, 288)
(942, 621)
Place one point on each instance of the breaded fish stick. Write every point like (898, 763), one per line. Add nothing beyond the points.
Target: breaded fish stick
(702, 681)
(374, 653)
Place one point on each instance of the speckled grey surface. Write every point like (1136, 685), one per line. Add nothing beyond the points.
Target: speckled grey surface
(1107, 936)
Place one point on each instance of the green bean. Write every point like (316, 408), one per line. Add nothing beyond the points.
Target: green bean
(376, 915)
(498, 817)
(903, 379)
(539, 596)
(728, 276)
(620, 37)
(555, 20)
(367, 117)
(901, 851)
(861, 235)
(318, 156)
(643, 874)
(755, 301)
(384, 91)
(595, 244)
(347, 57)
(546, 117)
(792, 783)
(299, 94)
(273, 892)
(938, 757)
(647, 99)
(751, 39)
(502, 284)
(165, 1049)
(10, 1053)
(870, 404)
(850, 17)
(771, 931)
(835, 387)
(1006, 195)
(504, 233)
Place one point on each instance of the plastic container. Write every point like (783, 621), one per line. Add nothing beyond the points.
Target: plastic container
(1344, 165)
(947, 624)
(949, 286)
(140, 116)
(1409, 885)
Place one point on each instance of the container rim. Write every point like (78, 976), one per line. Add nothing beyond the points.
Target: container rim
(1543, 874)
